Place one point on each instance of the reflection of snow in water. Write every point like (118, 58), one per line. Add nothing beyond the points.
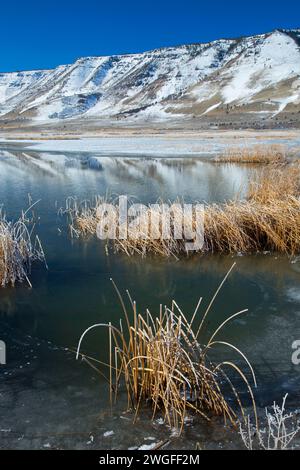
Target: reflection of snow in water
(196, 179)
(293, 294)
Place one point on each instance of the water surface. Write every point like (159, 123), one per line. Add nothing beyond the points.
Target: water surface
(47, 399)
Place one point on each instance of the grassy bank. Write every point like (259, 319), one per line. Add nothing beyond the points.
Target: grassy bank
(257, 154)
(267, 219)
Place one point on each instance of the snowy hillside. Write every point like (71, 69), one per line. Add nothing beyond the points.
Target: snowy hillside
(259, 74)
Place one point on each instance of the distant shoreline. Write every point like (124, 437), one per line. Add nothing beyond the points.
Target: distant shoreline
(135, 142)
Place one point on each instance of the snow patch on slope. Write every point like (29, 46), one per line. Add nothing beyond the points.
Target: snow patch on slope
(270, 61)
(149, 85)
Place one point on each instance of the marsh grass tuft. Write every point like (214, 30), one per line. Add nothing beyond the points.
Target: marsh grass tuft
(275, 183)
(268, 219)
(19, 248)
(254, 155)
(162, 360)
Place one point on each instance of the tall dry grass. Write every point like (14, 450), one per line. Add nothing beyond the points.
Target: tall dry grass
(274, 183)
(19, 248)
(268, 219)
(250, 227)
(162, 360)
(256, 154)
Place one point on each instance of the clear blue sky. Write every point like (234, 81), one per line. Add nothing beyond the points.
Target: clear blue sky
(43, 34)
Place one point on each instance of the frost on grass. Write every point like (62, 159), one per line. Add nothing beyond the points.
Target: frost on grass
(18, 250)
(279, 433)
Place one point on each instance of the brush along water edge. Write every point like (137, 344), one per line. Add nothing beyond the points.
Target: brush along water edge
(267, 219)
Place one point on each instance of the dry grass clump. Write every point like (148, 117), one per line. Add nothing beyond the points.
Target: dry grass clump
(84, 219)
(163, 361)
(268, 219)
(82, 215)
(257, 154)
(42, 138)
(249, 227)
(275, 183)
(18, 250)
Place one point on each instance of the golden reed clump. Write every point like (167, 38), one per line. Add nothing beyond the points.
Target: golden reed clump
(256, 154)
(275, 183)
(268, 219)
(163, 360)
(18, 250)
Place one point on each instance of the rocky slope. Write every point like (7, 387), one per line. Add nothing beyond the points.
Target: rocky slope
(222, 80)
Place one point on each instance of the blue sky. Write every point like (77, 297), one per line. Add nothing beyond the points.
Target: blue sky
(45, 34)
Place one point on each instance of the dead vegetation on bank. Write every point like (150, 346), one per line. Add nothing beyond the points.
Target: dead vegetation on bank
(163, 360)
(19, 248)
(274, 183)
(255, 155)
(268, 219)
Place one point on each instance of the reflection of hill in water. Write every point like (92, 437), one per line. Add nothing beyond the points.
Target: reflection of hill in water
(142, 177)
(49, 164)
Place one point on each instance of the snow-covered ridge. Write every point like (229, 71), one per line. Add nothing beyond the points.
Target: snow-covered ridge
(256, 74)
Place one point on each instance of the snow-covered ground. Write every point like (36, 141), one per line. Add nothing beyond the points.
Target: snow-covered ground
(199, 79)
